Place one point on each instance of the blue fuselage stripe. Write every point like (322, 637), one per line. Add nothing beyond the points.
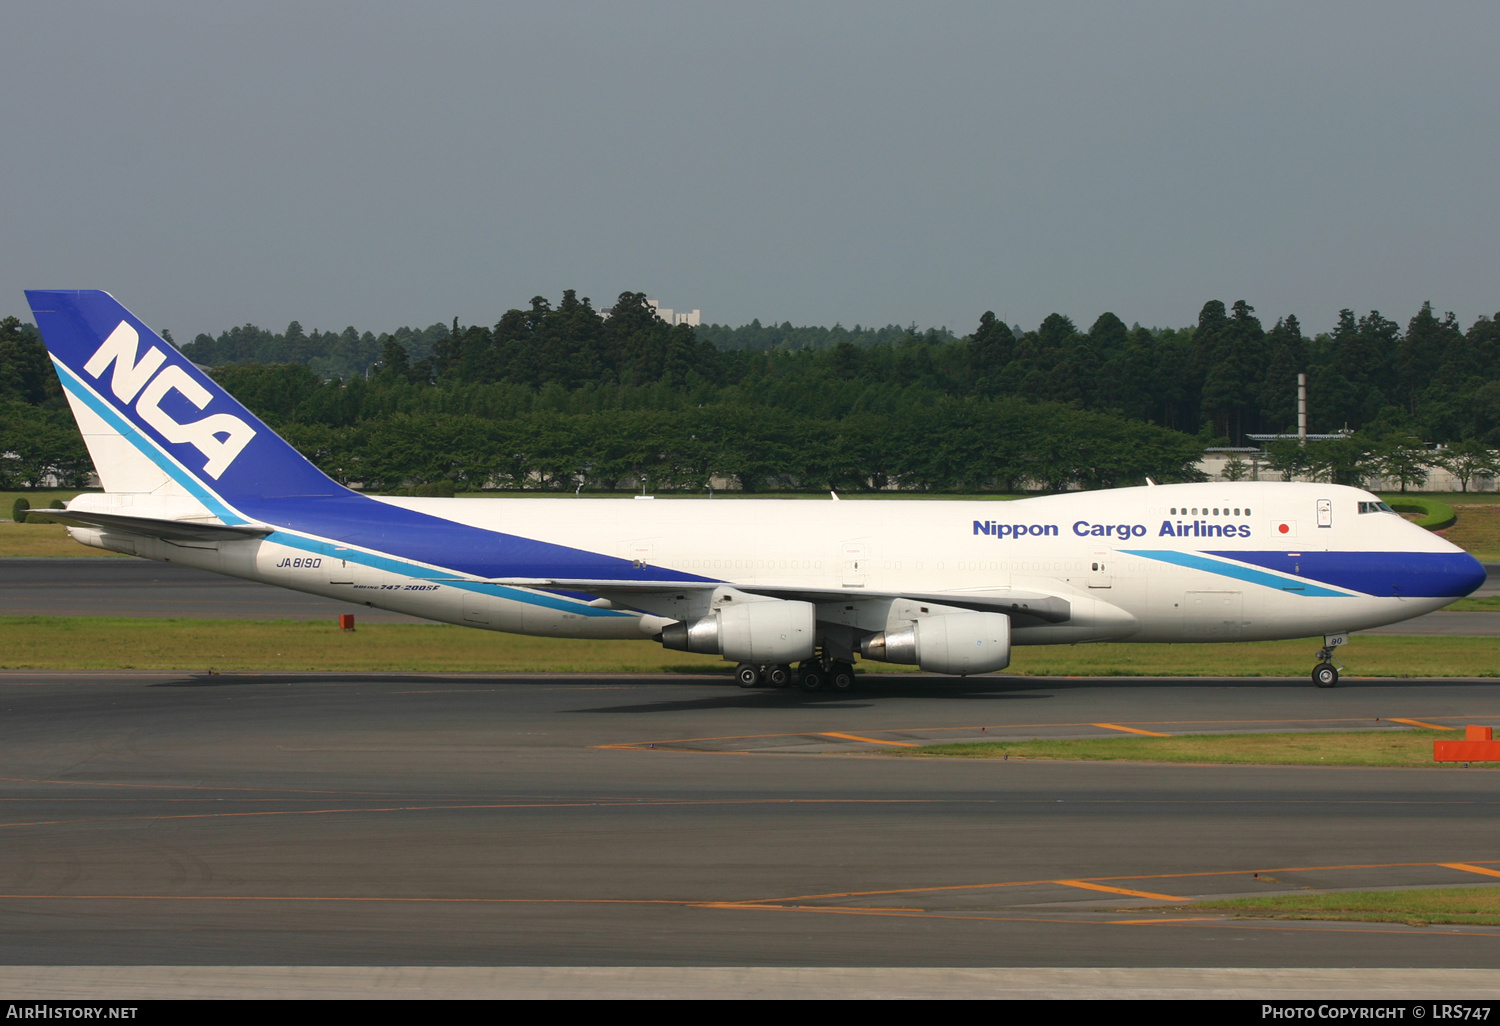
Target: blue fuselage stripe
(1383, 574)
(1193, 561)
(1318, 574)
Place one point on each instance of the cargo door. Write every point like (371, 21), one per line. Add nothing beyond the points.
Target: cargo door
(1214, 615)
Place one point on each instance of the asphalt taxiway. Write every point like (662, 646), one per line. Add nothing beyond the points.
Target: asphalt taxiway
(324, 828)
(466, 820)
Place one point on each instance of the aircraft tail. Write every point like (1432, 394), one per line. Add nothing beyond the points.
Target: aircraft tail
(155, 423)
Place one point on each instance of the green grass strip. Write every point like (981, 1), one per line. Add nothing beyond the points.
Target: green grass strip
(67, 642)
(120, 643)
(1436, 515)
(1476, 905)
(1487, 604)
(1386, 655)
(1397, 747)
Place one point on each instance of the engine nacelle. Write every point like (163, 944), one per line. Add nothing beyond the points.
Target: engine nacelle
(766, 633)
(960, 643)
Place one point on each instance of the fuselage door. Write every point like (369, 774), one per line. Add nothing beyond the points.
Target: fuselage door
(640, 551)
(335, 560)
(854, 558)
(1100, 574)
(1325, 512)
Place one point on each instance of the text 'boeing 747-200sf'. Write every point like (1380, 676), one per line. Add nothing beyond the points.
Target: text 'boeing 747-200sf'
(190, 476)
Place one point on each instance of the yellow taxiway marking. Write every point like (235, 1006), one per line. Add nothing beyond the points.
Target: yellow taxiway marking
(1468, 868)
(1418, 723)
(1119, 890)
(1129, 730)
(869, 740)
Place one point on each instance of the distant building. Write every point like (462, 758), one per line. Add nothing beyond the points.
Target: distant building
(693, 318)
(689, 317)
(1253, 467)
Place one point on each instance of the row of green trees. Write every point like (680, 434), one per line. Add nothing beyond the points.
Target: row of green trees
(956, 445)
(347, 354)
(1224, 378)
(38, 437)
(557, 395)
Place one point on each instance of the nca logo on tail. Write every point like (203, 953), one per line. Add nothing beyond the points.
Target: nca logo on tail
(131, 379)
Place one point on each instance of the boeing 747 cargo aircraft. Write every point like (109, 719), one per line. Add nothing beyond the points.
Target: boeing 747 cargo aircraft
(190, 476)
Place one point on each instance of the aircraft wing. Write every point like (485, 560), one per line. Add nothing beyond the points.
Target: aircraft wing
(155, 527)
(1016, 603)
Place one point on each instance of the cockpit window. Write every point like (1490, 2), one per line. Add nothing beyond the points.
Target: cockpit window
(1375, 507)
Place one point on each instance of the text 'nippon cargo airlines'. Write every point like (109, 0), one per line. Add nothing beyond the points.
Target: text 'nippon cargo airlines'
(192, 477)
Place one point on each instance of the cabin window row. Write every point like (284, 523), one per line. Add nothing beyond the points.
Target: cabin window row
(1207, 512)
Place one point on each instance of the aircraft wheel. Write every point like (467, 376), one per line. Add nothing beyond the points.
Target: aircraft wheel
(812, 677)
(1325, 676)
(841, 678)
(747, 675)
(778, 676)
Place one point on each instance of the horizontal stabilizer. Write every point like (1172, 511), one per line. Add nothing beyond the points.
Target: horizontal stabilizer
(153, 527)
(1036, 605)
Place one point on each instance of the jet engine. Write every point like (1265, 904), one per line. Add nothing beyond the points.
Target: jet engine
(960, 643)
(765, 633)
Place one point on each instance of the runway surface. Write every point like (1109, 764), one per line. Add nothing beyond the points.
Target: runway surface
(139, 587)
(455, 820)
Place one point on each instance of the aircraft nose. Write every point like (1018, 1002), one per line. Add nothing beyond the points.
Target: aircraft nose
(1469, 575)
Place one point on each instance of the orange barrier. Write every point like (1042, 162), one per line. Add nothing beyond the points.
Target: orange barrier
(1478, 745)
(346, 621)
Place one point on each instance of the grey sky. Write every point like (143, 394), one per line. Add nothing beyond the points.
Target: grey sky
(385, 164)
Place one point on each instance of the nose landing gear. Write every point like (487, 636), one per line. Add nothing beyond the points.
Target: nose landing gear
(1325, 674)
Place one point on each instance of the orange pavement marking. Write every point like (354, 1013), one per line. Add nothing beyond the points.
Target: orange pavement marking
(1118, 890)
(1207, 923)
(870, 740)
(1419, 723)
(1139, 876)
(1129, 730)
(1467, 868)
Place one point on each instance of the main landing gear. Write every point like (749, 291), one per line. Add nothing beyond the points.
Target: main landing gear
(837, 676)
(1325, 674)
(749, 675)
(812, 675)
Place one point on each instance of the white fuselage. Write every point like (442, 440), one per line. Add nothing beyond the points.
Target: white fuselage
(1231, 568)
